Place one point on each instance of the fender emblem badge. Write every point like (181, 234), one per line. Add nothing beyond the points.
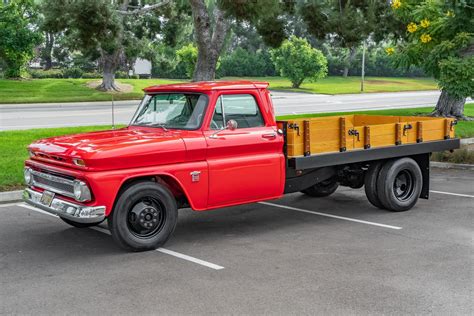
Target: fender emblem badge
(195, 176)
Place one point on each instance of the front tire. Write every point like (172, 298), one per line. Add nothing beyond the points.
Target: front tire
(399, 184)
(144, 217)
(322, 189)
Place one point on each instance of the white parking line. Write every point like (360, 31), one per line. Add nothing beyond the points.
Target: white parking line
(330, 215)
(455, 194)
(189, 258)
(9, 204)
(162, 250)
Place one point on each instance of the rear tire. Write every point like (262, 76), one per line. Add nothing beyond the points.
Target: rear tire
(144, 217)
(399, 184)
(370, 184)
(322, 189)
(79, 225)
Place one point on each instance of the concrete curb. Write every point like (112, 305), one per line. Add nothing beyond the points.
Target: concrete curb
(448, 165)
(11, 196)
(467, 141)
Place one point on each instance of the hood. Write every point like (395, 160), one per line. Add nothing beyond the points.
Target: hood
(113, 149)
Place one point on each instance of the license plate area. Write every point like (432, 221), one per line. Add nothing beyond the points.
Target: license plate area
(47, 198)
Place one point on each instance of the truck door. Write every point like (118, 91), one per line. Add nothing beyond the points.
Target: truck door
(245, 164)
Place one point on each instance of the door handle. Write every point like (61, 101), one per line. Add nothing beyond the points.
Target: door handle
(269, 136)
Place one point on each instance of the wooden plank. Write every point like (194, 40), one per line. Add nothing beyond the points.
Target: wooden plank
(331, 134)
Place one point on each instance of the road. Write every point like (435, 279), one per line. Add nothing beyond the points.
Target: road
(279, 258)
(25, 116)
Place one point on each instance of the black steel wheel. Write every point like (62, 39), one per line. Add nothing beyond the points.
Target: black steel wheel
(399, 184)
(144, 217)
(322, 189)
(370, 184)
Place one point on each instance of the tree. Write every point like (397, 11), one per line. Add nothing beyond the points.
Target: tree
(104, 30)
(439, 38)
(212, 21)
(210, 35)
(297, 61)
(346, 23)
(18, 36)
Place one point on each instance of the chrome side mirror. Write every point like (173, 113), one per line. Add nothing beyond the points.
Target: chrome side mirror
(231, 126)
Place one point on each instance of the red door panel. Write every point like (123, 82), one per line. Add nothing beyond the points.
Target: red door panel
(245, 165)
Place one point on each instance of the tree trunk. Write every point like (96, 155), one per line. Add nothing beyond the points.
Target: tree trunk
(209, 39)
(349, 60)
(297, 83)
(48, 51)
(449, 106)
(109, 63)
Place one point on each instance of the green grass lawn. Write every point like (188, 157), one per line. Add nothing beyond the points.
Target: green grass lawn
(13, 143)
(75, 90)
(340, 85)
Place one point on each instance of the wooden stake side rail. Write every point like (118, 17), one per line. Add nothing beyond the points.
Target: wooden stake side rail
(361, 155)
(332, 134)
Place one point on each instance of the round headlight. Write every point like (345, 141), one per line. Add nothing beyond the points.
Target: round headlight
(81, 191)
(28, 176)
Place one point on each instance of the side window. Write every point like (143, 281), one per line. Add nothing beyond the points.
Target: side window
(239, 107)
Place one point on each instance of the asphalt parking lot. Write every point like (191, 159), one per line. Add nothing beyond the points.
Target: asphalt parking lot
(296, 255)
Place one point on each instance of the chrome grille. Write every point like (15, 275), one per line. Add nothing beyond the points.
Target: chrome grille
(53, 183)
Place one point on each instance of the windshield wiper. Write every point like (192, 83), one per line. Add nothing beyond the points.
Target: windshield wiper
(162, 125)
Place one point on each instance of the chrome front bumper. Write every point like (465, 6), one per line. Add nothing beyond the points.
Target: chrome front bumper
(74, 212)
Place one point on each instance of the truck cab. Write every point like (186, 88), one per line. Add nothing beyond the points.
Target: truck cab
(206, 145)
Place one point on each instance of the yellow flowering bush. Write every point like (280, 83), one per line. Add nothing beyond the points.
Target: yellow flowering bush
(425, 38)
(412, 27)
(425, 23)
(389, 50)
(396, 4)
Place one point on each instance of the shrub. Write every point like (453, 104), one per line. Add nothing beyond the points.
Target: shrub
(297, 60)
(242, 63)
(91, 75)
(73, 72)
(135, 77)
(121, 74)
(44, 74)
(187, 55)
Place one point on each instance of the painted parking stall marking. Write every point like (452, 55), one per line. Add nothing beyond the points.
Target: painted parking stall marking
(454, 194)
(332, 216)
(172, 253)
(162, 250)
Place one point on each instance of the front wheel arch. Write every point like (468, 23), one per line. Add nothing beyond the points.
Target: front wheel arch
(167, 180)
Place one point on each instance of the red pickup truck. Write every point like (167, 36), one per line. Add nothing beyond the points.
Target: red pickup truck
(205, 145)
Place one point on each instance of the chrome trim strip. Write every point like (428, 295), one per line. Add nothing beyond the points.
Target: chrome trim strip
(74, 212)
(54, 179)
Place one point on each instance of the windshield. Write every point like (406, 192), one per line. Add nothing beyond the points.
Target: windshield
(171, 110)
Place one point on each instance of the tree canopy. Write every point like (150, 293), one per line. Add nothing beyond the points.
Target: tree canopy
(18, 35)
(439, 38)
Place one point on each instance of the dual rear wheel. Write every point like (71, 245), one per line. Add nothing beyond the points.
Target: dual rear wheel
(394, 185)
